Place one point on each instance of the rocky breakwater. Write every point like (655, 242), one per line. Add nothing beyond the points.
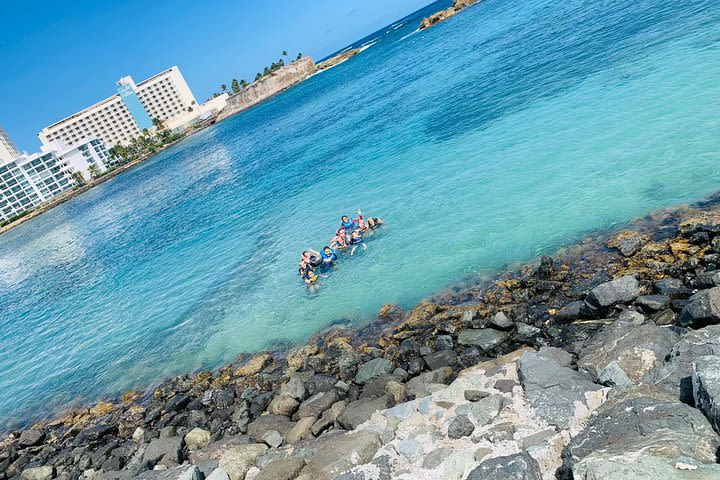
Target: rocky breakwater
(598, 363)
(268, 86)
(338, 59)
(443, 15)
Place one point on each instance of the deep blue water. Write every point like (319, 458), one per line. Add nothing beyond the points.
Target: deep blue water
(506, 132)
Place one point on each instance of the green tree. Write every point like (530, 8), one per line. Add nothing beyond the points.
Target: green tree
(235, 85)
(79, 179)
(284, 53)
(223, 88)
(158, 124)
(299, 56)
(189, 109)
(243, 83)
(94, 171)
(258, 76)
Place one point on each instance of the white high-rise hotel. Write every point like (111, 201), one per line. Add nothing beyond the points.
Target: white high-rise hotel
(120, 118)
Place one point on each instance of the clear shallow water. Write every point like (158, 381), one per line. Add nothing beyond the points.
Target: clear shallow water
(506, 132)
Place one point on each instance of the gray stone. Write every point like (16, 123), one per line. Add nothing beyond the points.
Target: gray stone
(706, 387)
(461, 426)
(283, 405)
(218, 474)
(519, 466)
(410, 449)
(300, 431)
(653, 302)
(273, 438)
(501, 321)
(436, 457)
(664, 317)
(675, 375)
(483, 411)
(169, 448)
(673, 288)
(536, 438)
(401, 411)
(526, 332)
(637, 350)
(318, 403)
(287, 469)
(707, 279)
(360, 411)
(505, 385)
(628, 242)
(426, 383)
(632, 317)
(264, 423)
(481, 453)
(442, 358)
(38, 473)
(703, 309)
(238, 460)
(197, 438)
(643, 466)
(443, 342)
(294, 388)
(551, 388)
(613, 375)
(623, 289)
(475, 395)
(485, 339)
(31, 437)
(342, 452)
(397, 391)
(640, 421)
(373, 369)
(377, 388)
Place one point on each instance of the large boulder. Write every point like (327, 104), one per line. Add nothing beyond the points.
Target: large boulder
(636, 350)
(318, 403)
(373, 369)
(286, 469)
(519, 466)
(283, 405)
(360, 411)
(265, 423)
(702, 310)
(552, 388)
(238, 460)
(197, 438)
(675, 375)
(169, 448)
(38, 473)
(31, 437)
(342, 452)
(428, 382)
(486, 339)
(623, 289)
(706, 387)
(640, 422)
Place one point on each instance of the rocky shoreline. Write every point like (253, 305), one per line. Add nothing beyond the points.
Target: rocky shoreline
(600, 362)
(441, 16)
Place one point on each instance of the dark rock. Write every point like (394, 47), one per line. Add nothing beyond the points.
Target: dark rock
(444, 342)
(703, 309)
(460, 426)
(623, 289)
(93, 434)
(373, 369)
(169, 448)
(653, 303)
(571, 311)
(673, 288)
(31, 437)
(699, 238)
(424, 384)
(360, 411)
(415, 365)
(318, 403)
(176, 403)
(342, 452)
(320, 383)
(546, 268)
(347, 364)
(519, 466)
(223, 398)
(664, 317)
(707, 280)
(408, 347)
(260, 403)
(505, 385)
(112, 463)
(377, 388)
(287, 469)
(442, 358)
(486, 339)
(471, 356)
(551, 387)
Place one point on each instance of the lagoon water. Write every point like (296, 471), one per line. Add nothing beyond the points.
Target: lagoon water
(504, 133)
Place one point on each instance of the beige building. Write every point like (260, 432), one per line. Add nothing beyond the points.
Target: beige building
(122, 117)
(8, 151)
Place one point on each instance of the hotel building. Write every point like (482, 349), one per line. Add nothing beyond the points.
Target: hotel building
(29, 180)
(122, 117)
(8, 151)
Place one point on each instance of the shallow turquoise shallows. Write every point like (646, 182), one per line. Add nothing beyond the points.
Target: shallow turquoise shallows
(508, 131)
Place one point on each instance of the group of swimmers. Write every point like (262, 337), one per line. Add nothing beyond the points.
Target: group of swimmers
(350, 235)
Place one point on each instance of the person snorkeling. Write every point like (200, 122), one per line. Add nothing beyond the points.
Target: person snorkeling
(357, 240)
(328, 257)
(348, 224)
(307, 273)
(340, 240)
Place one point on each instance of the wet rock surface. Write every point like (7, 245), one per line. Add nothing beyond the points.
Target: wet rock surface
(597, 363)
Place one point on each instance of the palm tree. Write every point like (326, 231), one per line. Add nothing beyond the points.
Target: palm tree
(284, 52)
(158, 124)
(79, 179)
(223, 88)
(235, 85)
(94, 171)
(299, 56)
(243, 83)
(258, 76)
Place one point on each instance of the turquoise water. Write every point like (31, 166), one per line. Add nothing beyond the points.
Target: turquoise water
(508, 131)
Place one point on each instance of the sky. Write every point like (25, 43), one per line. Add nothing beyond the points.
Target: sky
(58, 57)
